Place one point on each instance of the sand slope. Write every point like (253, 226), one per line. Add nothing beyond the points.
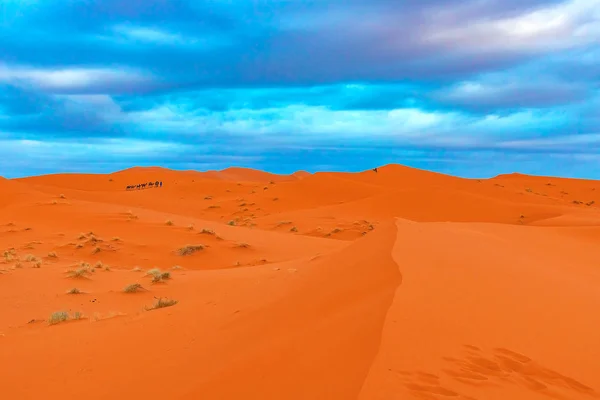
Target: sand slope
(401, 284)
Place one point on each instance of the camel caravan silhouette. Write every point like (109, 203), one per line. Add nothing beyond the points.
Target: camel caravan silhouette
(145, 185)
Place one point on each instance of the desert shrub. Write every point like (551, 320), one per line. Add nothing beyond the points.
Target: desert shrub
(162, 303)
(190, 249)
(96, 250)
(58, 317)
(74, 291)
(293, 229)
(37, 264)
(52, 254)
(133, 288)
(231, 223)
(207, 231)
(169, 222)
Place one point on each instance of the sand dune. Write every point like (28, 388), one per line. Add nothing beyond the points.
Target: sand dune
(400, 284)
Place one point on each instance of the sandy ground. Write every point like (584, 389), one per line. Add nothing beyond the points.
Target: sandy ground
(401, 284)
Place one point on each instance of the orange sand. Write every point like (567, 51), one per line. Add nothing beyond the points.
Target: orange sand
(401, 284)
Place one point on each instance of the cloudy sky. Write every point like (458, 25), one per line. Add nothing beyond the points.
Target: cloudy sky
(467, 87)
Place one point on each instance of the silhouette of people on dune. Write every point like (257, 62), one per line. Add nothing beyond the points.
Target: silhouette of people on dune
(143, 185)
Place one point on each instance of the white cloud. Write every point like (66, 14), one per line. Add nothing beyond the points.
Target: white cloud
(68, 78)
(558, 26)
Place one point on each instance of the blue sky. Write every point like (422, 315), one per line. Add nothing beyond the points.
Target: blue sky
(473, 88)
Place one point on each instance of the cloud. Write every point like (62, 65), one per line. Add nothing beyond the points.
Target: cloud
(72, 80)
(422, 80)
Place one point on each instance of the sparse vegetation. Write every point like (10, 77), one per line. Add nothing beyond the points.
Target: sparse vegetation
(281, 223)
(190, 249)
(79, 246)
(293, 229)
(37, 264)
(137, 269)
(528, 190)
(336, 230)
(162, 303)
(54, 202)
(31, 258)
(52, 254)
(191, 227)
(232, 223)
(208, 198)
(116, 239)
(74, 291)
(77, 315)
(133, 288)
(243, 245)
(207, 232)
(62, 196)
(214, 206)
(18, 264)
(177, 267)
(81, 236)
(590, 203)
(58, 317)
(82, 272)
(169, 222)
(577, 202)
(96, 250)
(158, 275)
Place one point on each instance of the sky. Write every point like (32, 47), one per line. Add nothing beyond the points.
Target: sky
(472, 88)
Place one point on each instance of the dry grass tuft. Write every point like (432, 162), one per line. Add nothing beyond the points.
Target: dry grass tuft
(293, 229)
(281, 223)
(169, 222)
(52, 254)
(96, 250)
(191, 227)
(190, 249)
(207, 232)
(231, 223)
(58, 317)
(162, 303)
(62, 196)
(116, 239)
(82, 272)
(137, 269)
(243, 245)
(133, 288)
(74, 291)
(176, 267)
(158, 276)
(37, 264)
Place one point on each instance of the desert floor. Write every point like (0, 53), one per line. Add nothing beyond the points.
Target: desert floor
(401, 284)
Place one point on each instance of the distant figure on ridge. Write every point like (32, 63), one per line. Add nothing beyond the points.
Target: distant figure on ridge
(375, 169)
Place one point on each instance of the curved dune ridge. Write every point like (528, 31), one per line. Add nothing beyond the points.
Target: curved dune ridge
(241, 284)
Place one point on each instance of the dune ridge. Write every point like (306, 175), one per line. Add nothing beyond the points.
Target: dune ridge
(400, 283)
